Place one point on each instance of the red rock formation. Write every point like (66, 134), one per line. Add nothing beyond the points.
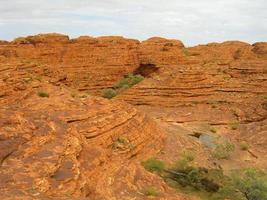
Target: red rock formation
(229, 75)
(88, 63)
(65, 146)
(69, 147)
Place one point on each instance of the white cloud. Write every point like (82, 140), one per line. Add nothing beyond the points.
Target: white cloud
(192, 21)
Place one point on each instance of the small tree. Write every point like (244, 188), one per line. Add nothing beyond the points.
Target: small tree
(252, 184)
(109, 93)
(154, 165)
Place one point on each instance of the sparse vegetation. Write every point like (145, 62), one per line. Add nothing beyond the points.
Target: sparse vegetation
(151, 191)
(154, 165)
(252, 183)
(122, 144)
(213, 130)
(212, 184)
(244, 146)
(223, 150)
(43, 94)
(109, 93)
(188, 155)
(127, 82)
(186, 174)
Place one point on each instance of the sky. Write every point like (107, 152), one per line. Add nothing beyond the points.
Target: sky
(191, 21)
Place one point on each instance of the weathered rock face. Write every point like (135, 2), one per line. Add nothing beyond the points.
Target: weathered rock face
(67, 147)
(161, 52)
(87, 63)
(215, 84)
(74, 146)
(260, 48)
(208, 80)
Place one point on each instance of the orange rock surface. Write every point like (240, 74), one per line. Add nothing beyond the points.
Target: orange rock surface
(62, 146)
(75, 144)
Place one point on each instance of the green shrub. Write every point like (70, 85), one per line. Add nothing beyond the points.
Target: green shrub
(207, 183)
(252, 183)
(135, 79)
(227, 191)
(43, 94)
(151, 191)
(129, 81)
(186, 158)
(198, 178)
(244, 146)
(122, 83)
(109, 93)
(213, 130)
(154, 165)
(223, 150)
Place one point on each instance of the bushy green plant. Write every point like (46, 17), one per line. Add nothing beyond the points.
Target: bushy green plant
(213, 130)
(151, 191)
(129, 81)
(154, 165)
(134, 79)
(252, 183)
(198, 178)
(223, 150)
(109, 93)
(186, 158)
(43, 94)
(244, 146)
(122, 83)
(212, 184)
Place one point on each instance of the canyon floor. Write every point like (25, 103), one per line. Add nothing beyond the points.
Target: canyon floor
(61, 139)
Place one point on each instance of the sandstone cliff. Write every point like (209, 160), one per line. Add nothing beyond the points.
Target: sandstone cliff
(76, 144)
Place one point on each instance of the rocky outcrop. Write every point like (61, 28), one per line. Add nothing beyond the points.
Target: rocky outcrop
(215, 82)
(65, 147)
(88, 63)
(74, 145)
(161, 52)
(260, 48)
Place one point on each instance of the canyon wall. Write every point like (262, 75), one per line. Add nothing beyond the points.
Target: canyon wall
(75, 144)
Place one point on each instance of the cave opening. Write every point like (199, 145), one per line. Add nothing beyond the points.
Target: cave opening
(146, 70)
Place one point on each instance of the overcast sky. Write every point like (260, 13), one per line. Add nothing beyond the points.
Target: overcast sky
(192, 21)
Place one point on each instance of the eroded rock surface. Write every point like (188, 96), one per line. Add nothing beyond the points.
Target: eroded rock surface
(67, 147)
(77, 145)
